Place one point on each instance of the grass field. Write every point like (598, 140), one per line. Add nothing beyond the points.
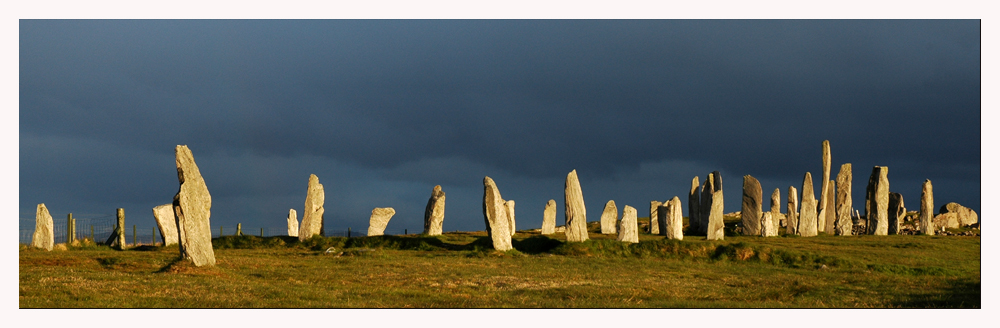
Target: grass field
(460, 270)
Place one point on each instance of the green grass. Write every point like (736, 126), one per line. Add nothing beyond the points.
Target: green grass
(460, 270)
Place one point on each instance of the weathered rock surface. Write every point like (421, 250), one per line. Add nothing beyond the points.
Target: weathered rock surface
(715, 228)
(117, 238)
(293, 223)
(897, 211)
(927, 208)
(779, 219)
(845, 205)
(767, 226)
(549, 218)
(576, 210)
(434, 212)
(312, 216)
(609, 218)
(821, 211)
(192, 209)
(751, 210)
(628, 230)
(694, 204)
(379, 219)
(965, 216)
(509, 207)
(44, 237)
(877, 201)
(654, 217)
(831, 204)
(792, 221)
(495, 215)
(167, 223)
(807, 215)
(674, 219)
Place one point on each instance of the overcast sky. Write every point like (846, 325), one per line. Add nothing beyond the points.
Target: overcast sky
(383, 110)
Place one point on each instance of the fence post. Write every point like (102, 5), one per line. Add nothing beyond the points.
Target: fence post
(135, 237)
(120, 238)
(69, 229)
(404, 232)
(220, 231)
(154, 236)
(348, 232)
(92, 234)
(262, 232)
(239, 229)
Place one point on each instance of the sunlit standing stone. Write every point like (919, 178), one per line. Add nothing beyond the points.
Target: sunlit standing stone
(549, 218)
(312, 216)
(509, 207)
(379, 220)
(927, 208)
(43, 237)
(293, 223)
(654, 217)
(609, 218)
(628, 231)
(694, 204)
(192, 210)
(166, 222)
(844, 205)
(792, 221)
(576, 211)
(434, 212)
(824, 199)
(807, 214)
(495, 215)
(751, 210)
(674, 219)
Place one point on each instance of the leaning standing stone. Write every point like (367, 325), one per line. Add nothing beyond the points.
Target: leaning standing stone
(549, 218)
(576, 211)
(792, 222)
(43, 237)
(379, 219)
(509, 207)
(897, 210)
(192, 209)
(751, 210)
(878, 201)
(694, 203)
(312, 217)
(293, 223)
(807, 216)
(495, 215)
(654, 217)
(927, 208)
(824, 198)
(165, 221)
(629, 230)
(609, 218)
(767, 227)
(434, 212)
(674, 219)
(844, 204)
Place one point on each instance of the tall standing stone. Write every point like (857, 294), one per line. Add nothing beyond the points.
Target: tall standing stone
(824, 197)
(694, 204)
(767, 226)
(927, 208)
(609, 218)
(434, 212)
(674, 219)
(43, 237)
(192, 209)
(379, 219)
(807, 215)
(778, 218)
(167, 223)
(509, 207)
(576, 211)
(654, 217)
(877, 201)
(897, 211)
(716, 227)
(293, 223)
(844, 203)
(831, 204)
(312, 215)
(792, 222)
(495, 215)
(751, 210)
(549, 218)
(628, 231)
(117, 238)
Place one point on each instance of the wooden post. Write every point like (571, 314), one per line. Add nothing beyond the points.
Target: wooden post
(348, 232)
(120, 238)
(220, 231)
(135, 236)
(262, 232)
(239, 229)
(69, 229)
(404, 232)
(92, 233)
(74, 229)
(154, 236)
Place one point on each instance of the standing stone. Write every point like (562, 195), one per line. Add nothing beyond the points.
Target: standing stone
(495, 215)
(117, 238)
(434, 212)
(609, 218)
(713, 218)
(312, 216)
(43, 237)
(877, 201)
(379, 219)
(807, 216)
(751, 211)
(674, 219)
(778, 218)
(192, 209)
(694, 204)
(165, 221)
(549, 218)
(239, 229)
(509, 207)
(767, 226)
(662, 217)
(897, 211)
(293, 223)
(576, 211)
(844, 203)
(927, 208)
(628, 231)
(831, 204)
(654, 217)
(824, 198)
(792, 222)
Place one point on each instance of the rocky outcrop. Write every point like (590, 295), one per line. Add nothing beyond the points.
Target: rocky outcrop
(927, 208)
(312, 216)
(628, 230)
(576, 210)
(549, 218)
(379, 219)
(167, 223)
(844, 224)
(807, 215)
(495, 215)
(44, 237)
(192, 209)
(434, 212)
(609, 218)
(751, 210)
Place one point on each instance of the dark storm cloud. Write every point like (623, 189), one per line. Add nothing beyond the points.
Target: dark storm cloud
(428, 101)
